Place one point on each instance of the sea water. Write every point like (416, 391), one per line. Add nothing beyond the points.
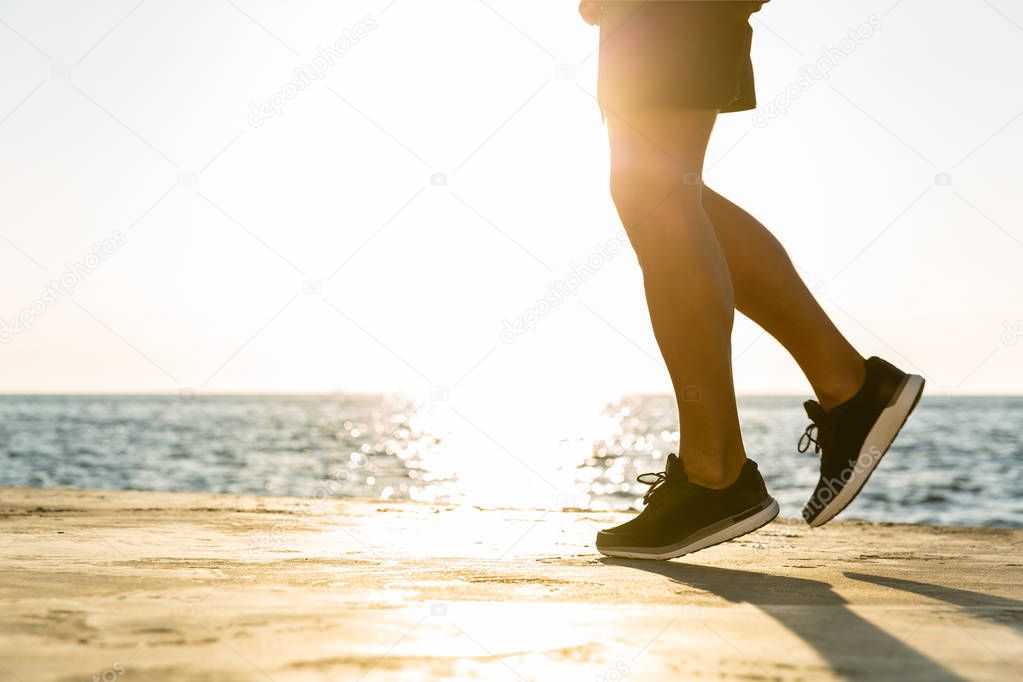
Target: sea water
(959, 460)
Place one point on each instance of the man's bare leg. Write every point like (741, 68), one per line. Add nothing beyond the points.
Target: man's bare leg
(770, 292)
(656, 164)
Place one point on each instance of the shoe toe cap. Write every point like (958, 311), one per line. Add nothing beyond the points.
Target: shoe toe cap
(615, 537)
(606, 538)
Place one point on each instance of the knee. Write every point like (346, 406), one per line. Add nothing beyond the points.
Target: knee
(642, 181)
(655, 200)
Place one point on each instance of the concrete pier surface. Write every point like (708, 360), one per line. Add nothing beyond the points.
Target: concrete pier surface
(159, 586)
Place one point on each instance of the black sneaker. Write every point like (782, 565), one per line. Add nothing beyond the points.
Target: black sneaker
(682, 517)
(853, 437)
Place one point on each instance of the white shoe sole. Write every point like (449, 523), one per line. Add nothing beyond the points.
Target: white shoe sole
(729, 532)
(876, 444)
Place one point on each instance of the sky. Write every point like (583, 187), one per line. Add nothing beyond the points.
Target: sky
(178, 216)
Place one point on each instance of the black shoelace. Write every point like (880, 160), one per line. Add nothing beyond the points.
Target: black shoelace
(818, 432)
(660, 480)
(810, 437)
(653, 479)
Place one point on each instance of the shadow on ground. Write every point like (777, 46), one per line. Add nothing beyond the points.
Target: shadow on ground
(1001, 610)
(812, 610)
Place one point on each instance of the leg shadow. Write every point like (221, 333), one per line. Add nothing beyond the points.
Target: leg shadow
(851, 645)
(1001, 610)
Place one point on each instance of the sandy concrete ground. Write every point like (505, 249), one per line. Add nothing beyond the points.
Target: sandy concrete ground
(112, 585)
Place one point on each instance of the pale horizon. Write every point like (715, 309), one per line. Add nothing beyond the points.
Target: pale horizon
(229, 229)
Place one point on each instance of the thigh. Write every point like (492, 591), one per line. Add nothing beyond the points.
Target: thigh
(662, 140)
(657, 154)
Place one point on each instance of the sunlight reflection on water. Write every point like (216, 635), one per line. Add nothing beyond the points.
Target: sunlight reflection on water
(957, 461)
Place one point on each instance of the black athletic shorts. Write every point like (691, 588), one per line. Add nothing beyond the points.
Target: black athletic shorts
(685, 54)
